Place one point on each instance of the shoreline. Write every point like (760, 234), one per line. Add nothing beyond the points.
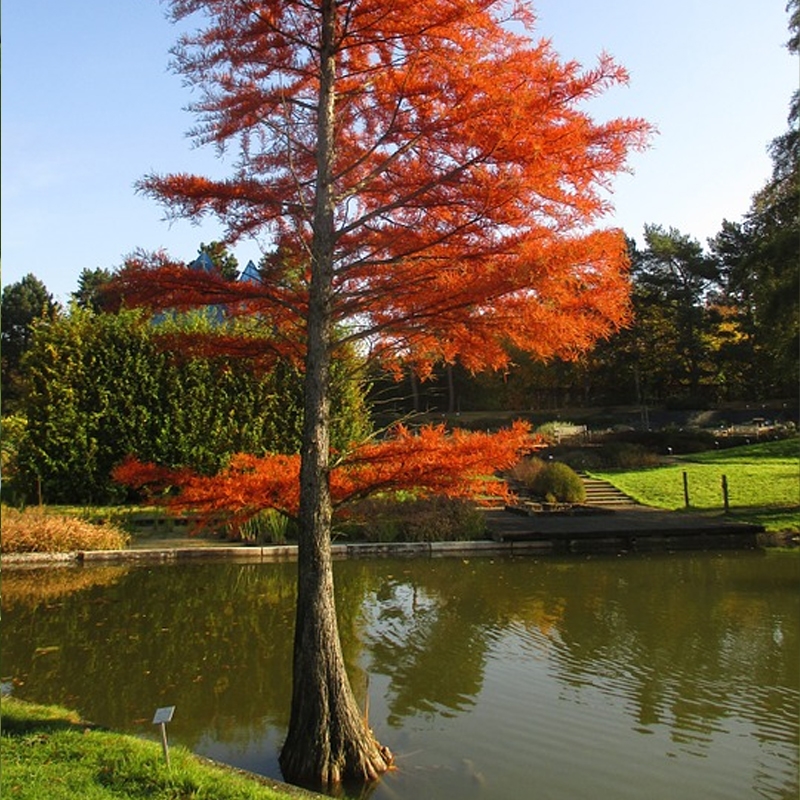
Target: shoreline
(639, 529)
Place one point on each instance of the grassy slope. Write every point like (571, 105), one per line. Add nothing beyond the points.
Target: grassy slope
(48, 752)
(763, 483)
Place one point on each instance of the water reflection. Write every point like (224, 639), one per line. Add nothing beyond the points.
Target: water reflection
(568, 678)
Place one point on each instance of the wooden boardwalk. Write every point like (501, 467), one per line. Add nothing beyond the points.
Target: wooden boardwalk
(627, 527)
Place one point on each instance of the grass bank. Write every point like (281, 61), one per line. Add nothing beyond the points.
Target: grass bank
(763, 483)
(48, 751)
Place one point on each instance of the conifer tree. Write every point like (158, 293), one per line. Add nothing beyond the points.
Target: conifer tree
(430, 181)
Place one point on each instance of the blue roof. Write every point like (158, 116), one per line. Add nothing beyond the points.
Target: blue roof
(203, 262)
(251, 273)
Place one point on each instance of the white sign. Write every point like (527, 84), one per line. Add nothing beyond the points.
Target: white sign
(163, 715)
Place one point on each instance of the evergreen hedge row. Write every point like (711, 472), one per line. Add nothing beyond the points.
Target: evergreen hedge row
(99, 387)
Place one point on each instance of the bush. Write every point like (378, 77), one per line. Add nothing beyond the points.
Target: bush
(626, 455)
(35, 530)
(526, 471)
(428, 519)
(560, 482)
(690, 440)
(553, 481)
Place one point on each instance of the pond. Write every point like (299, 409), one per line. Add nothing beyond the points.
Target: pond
(670, 675)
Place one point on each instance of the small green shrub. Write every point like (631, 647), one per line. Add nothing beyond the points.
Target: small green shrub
(559, 482)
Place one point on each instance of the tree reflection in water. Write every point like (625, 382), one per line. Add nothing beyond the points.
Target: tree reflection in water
(697, 646)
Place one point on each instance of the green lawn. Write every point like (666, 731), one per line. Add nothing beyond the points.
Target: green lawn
(763, 483)
(47, 752)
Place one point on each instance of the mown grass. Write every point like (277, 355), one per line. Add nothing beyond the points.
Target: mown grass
(763, 483)
(38, 530)
(48, 752)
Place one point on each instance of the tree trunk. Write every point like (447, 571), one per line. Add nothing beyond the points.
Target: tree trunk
(328, 741)
(451, 390)
(412, 377)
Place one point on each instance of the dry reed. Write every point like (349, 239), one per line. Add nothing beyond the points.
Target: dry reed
(36, 530)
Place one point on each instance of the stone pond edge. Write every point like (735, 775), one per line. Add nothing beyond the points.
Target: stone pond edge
(277, 553)
(270, 553)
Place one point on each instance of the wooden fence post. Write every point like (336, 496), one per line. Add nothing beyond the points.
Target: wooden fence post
(686, 489)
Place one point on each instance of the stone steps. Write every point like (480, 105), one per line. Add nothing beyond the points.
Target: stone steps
(602, 493)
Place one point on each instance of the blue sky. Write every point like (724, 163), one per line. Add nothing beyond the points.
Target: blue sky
(89, 106)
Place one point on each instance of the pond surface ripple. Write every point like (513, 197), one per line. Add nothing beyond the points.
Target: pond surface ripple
(657, 676)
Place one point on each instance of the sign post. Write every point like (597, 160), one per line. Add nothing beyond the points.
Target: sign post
(162, 717)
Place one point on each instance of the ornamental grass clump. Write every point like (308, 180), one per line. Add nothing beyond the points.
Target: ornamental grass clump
(266, 527)
(526, 471)
(36, 530)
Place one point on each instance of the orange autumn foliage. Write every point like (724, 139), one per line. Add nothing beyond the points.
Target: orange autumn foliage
(466, 181)
(430, 461)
